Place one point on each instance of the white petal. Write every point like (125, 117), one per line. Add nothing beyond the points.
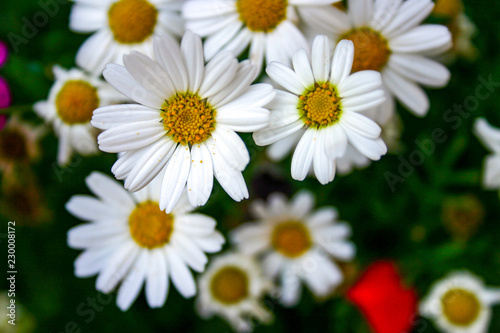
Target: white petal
(149, 74)
(303, 69)
(359, 83)
(109, 190)
(92, 261)
(181, 276)
(150, 165)
(324, 167)
(383, 13)
(409, 15)
(245, 119)
(323, 216)
(320, 59)
(192, 52)
(93, 234)
(286, 77)
(189, 252)
(176, 175)
(373, 149)
(131, 286)
(489, 135)
(301, 204)
(157, 279)
(423, 38)
(364, 101)
(121, 80)
(116, 115)
(226, 142)
(229, 178)
(272, 135)
(168, 54)
(303, 155)
(335, 141)
(360, 11)
(212, 243)
(219, 72)
(201, 177)
(88, 208)
(342, 61)
(361, 124)
(86, 19)
(419, 69)
(291, 288)
(95, 52)
(118, 265)
(130, 136)
(408, 93)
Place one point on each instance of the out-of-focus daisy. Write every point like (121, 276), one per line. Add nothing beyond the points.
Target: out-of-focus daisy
(233, 287)
(130, 239)
(185, 121)
(268, 26)
(18, 144)
(22, 200)
(388, 37)
(461, 27)
(121, 26)
(462, 215)
(72, 99)
(322, 107)
(460, 303)
(490, 137)
(296, 244)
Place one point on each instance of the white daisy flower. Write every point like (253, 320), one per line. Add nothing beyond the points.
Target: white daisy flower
(460, 303)
(490, 137)
(296, 244)
(233, 287)
(388, 37)
(186, 120)
(72, 99)
(267, 26)
(321, 110)
(130, 239)
(121, 26)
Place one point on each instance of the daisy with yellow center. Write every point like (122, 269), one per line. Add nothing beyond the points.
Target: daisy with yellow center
(460, 303)
(294, 243)
(121, 26)
(321, 113)
(269, 27)
(233, 287)
(389, 38)
(185, 122)
(72, 99)
(129, 239)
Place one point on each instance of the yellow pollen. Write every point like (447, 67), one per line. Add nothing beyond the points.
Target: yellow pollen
(460, 307)
(291, 238)
(132, 21)
(320, 106)
(262, 15)
(188, 119)
(149, 226)
(13, 145)
(76, 101)
(371, 50)
(229, 285)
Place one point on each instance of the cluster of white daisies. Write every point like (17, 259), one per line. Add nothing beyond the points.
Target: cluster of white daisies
(334, 77)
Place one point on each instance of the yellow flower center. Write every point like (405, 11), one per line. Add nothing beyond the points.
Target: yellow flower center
(262, 15)
(132, 21)
(149, 226)
(320, 106)
(13, 145)
(291, 238)
(229, 285)
(188, 119)
(371, 50)
(76, 101)
(460, 307)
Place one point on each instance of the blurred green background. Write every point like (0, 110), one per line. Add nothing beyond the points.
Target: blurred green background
(406, 225)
